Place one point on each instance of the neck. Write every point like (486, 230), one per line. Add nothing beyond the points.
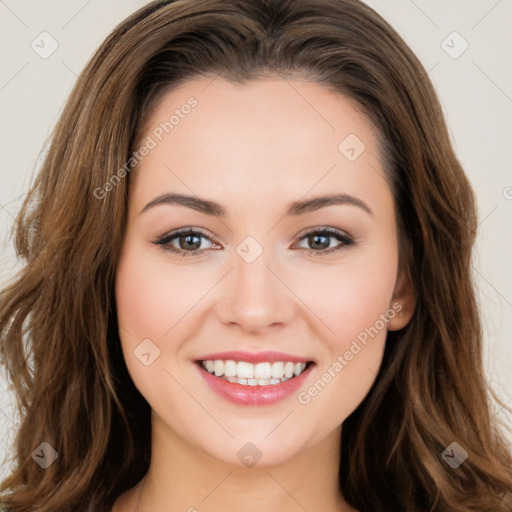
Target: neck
(185, 478)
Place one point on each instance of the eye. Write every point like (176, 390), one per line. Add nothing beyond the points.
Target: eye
(320, 240)
(189, 242)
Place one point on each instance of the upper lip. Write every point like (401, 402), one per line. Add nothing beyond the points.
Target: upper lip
(254, 357)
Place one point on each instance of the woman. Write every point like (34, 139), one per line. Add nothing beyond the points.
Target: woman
(247, 279)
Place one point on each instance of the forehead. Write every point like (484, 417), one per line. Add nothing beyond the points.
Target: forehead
(265, 136)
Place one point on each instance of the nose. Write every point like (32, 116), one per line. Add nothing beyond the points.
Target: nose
(255, 297)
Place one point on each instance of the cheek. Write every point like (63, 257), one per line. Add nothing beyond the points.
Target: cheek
(354, 307)
(141, 301)
(149, 303)
(366, 296)
(154, 300)
(356, 295)
(151, 295)
(341, 385)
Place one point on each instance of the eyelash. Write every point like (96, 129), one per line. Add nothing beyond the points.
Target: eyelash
(165, 240)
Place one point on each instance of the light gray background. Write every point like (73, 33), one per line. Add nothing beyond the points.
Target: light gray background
(475, 89)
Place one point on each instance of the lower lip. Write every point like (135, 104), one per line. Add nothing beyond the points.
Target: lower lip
(253, 395)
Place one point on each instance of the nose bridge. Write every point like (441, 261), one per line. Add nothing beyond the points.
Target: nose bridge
(255, 297)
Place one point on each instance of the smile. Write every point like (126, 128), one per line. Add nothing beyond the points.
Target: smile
(247, 374)
(263, 383)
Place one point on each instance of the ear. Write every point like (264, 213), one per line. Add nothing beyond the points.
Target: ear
(403, 302)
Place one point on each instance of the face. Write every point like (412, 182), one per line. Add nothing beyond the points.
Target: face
(262, 270)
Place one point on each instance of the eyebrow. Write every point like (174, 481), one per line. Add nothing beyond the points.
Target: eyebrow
(296, 208)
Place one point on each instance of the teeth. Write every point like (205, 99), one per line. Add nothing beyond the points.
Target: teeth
(244, 370)
(230, 369)
(277, 370)
(298, 367)
(261, 374)
(218, 367)
(263, 371)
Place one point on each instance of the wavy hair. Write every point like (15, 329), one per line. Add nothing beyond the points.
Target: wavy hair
(59, 338)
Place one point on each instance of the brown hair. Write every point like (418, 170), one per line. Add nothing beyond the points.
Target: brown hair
(58, 331)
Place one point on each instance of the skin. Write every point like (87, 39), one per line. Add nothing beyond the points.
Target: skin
(255, 148)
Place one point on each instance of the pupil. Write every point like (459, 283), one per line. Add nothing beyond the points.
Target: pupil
(188, 237)
(313, 239)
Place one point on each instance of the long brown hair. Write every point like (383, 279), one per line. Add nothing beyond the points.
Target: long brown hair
(59, 336)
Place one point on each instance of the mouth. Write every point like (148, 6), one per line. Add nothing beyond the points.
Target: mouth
(248, 374)
(262, 383)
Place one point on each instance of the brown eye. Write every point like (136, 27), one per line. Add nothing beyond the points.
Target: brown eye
(188, 242)
(319, 241)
